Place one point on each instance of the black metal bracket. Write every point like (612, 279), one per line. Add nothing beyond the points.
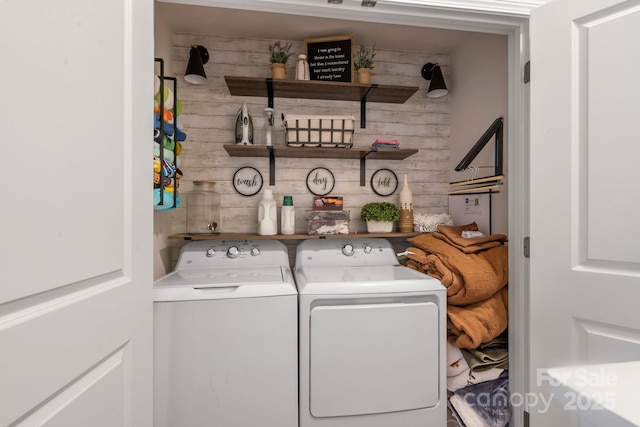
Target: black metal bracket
(496, 129)
(363, 108)
(272, 166)
(270, 93)
(363, 167)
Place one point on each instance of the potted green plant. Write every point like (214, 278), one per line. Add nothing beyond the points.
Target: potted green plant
(379, 216)
(279, 58)
(363, 63)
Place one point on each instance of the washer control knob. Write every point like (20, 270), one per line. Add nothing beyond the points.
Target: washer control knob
(347, 250)
(255, 251)
(233, 252)
(367, 249)
(211, 252)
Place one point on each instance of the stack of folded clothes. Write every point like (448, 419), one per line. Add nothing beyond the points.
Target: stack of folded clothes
(385, 143)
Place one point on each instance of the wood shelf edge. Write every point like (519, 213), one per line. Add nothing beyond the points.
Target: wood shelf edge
(249, 236)
(312, 89)
(319, 152)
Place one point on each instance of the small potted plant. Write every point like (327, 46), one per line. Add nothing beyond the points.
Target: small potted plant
(379, 216)
(279, 58)
(363, 63)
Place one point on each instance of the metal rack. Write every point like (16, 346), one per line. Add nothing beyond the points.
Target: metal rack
(161, 137)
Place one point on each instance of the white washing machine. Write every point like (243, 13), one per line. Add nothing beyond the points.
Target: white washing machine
(226, 337)
(372, 337)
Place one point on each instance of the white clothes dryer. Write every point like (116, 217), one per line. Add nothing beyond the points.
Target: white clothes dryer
(226, 337)
(371, 335)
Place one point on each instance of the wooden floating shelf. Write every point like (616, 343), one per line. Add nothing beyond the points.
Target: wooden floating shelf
(308, 89)
(247, 236)
(283, 151)
(319, 152)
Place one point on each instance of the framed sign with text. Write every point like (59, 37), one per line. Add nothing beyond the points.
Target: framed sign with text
(384, 182)
(330, 58)
(320, 181)
(247, 181)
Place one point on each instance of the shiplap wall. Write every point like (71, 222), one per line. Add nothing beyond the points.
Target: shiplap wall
(209, 119)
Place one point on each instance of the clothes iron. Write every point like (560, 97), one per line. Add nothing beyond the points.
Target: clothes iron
(244, 126)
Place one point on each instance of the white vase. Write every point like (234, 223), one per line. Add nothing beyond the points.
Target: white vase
(379, 226)
(302, 68)
(406, 196)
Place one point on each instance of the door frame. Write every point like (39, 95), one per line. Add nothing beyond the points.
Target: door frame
(507, 19)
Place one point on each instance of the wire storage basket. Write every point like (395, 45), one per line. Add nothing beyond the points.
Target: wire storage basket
(319, 131)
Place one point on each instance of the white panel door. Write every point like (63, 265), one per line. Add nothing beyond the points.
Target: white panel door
(585, 198)
(76, 213)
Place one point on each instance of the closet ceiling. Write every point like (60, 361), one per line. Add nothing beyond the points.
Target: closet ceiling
(411, 25)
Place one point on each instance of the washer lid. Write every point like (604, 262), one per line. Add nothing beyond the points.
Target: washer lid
(364, 280)
(219, 283)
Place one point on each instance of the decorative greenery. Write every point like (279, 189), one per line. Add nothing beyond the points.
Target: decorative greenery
(364, 57)
(280, 54)
(380, 211)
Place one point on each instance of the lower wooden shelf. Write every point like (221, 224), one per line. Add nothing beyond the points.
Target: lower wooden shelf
(244, 236)
(284, 151)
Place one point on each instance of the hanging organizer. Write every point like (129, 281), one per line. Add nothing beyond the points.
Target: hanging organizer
(484, 185)
(166, 172)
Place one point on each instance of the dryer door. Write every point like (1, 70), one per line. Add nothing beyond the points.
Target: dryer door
(373, 358)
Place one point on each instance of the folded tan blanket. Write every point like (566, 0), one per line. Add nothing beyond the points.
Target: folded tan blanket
(470, 245)
(453, 236)
(472, 325)
(458, 229)
(469, 278)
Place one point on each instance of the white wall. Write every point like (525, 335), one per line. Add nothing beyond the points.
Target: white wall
(479, 95)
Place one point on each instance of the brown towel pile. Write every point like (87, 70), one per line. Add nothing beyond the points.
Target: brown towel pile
(471, 325)
(475, 273)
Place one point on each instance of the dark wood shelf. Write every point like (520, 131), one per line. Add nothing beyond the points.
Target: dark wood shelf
(307, 89)
(319, 152)
(248, 236)
(284, 151)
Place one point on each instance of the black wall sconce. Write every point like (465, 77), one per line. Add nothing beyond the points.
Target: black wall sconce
(433, 73)
(198, 56)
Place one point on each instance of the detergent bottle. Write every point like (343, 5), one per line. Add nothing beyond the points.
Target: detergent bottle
(287, 216)
(267, 215)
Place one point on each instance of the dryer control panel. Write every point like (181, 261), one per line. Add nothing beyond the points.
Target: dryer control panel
(345, 252)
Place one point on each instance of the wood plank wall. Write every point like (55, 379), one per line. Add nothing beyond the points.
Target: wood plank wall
(209, 119)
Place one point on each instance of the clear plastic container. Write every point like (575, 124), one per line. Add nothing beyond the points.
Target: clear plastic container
(267, 130)
(203, 208)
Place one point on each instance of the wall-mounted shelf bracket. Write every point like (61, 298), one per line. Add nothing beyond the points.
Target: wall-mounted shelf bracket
(272, 166)
(270, 93)
(363, 108)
